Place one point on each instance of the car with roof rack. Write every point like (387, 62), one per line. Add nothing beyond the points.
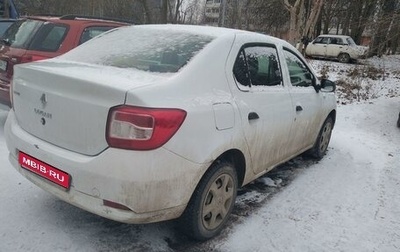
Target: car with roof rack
(42, 37)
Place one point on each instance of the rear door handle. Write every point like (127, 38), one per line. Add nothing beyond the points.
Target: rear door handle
(299, 108)
(253, 116)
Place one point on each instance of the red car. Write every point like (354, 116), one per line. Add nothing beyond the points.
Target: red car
(37, 38)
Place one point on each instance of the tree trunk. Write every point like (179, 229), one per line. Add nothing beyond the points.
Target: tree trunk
(360, 22)
(294, 23)
(147, 12)
(313, 18)
(164, 11)
(381, 41)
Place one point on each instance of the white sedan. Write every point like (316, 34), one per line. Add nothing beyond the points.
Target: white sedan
(155, 122)
(340, 47)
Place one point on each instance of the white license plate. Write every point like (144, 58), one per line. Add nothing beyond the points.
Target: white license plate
(3, 65)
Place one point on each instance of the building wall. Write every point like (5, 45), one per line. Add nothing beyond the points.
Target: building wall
(212, 11)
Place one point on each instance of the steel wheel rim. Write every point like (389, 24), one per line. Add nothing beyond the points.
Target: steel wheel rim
(217, 201)
(325, 137)
(343, 58)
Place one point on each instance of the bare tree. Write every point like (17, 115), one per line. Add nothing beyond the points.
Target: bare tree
(269, 17)
(291, 19)
(312, 19)
(296, 11)
(362, 14)
(302, 22)
(192, 12)
(386, 21)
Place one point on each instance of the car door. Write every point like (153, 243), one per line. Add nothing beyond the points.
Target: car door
(334, 47)
(307, 102)
(264, 103)
(318, 47)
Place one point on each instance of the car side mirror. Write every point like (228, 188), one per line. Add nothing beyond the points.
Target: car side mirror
(327, 86)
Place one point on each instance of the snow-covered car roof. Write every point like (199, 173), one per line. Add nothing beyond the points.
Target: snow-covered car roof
(334, 35)
(141, 45)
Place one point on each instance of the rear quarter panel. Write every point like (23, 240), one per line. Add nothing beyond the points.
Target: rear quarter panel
(202, 90)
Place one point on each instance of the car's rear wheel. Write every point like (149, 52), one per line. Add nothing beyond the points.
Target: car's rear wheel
(211, 203)
(324, 136)
(344, 58)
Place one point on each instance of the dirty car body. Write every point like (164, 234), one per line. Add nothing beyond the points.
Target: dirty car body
(340, 47)
(167, 122)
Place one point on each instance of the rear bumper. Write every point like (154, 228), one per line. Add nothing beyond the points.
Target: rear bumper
(154, 185)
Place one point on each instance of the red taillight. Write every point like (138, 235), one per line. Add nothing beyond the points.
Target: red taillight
(11, 94)
(138, 128)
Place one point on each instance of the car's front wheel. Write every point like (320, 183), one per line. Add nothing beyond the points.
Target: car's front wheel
(324, 136)
(211, 203)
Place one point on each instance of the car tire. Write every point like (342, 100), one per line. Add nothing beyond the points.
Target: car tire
(211, 203)
(322, 142)
(398, 121)
(344, 58)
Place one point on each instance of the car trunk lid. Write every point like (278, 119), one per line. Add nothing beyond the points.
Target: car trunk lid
(67, 104)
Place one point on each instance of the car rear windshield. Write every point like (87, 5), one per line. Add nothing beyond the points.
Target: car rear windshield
(141, 48)
(35, 35)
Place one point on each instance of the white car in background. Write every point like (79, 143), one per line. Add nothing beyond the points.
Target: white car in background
(157, 122)
(340, 47)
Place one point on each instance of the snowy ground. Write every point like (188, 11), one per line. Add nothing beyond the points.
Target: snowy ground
(348, 201)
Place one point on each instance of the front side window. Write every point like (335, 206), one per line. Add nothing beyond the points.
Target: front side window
(321, 40)
(257, 66)
(299, 73)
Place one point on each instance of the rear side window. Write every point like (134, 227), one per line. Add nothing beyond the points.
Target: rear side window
(91, 32)
(334, 41)
(49, 37)
(321, 40)
(19, 34)
(257, 66)
(340, 41)
(350, 41)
